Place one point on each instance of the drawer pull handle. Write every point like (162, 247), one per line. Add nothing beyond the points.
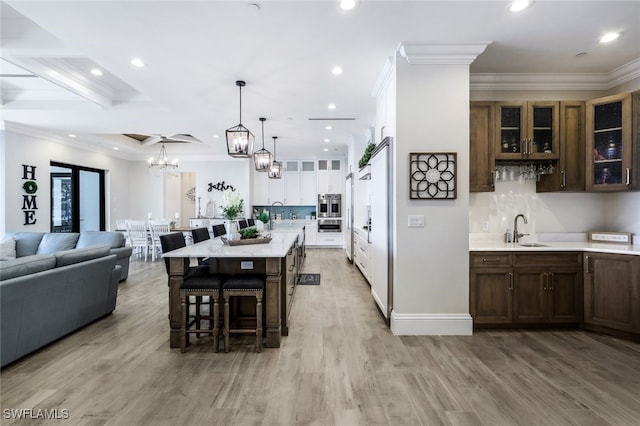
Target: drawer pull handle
(485, 260)
(291, 291)
(511, 281)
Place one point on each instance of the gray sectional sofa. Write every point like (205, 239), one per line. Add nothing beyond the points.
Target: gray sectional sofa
(57, 283)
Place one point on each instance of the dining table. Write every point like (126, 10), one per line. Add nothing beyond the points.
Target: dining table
(273, 259)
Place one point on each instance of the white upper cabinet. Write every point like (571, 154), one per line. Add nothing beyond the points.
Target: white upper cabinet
(330, 177)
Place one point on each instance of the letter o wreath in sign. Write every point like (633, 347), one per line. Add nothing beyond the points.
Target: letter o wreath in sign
(30, 187)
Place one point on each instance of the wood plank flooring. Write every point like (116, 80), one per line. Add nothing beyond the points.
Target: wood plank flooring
(340, 365)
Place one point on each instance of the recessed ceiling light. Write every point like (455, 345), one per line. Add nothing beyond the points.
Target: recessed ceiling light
(328, 127)
(216, 136)
(115, 148)
(71, 135)
(608, 37)
(336, 70)
(327, 140)
(519, 5)
(96, 71)
(136, 62)
(53, 73)
(347, 4)
(331, 106)
(326, 149)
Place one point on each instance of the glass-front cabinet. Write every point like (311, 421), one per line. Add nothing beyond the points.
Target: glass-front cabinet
(527, 130)
(609, 143)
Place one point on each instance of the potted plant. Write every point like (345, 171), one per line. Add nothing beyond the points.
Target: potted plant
(233, 207)
(263, 220)
(364, 160)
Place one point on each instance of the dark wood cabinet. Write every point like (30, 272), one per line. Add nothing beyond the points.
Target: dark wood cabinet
(547, 295)
(570, 170)
(527, 130)
(609, 143)
(522, 288)
(481, 143)
(612, 291)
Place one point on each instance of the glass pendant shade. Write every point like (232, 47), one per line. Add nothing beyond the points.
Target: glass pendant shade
(239, 139)
(275, 171)
(262, 158)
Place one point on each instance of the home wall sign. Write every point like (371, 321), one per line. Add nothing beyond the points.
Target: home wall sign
(432, 175)
(220, 186)
(29, 200)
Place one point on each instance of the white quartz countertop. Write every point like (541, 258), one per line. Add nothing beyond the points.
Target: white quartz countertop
(492, 245)
(279, 246)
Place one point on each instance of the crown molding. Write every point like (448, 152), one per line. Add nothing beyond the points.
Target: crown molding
(437, 53)
(530, 81)
(383, 77)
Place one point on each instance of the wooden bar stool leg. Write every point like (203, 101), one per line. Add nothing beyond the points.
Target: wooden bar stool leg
(226, 322)
(216, 322)
(184, 306)
(259, 321)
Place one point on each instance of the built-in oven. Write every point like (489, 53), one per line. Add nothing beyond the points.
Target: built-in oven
(329, 225)
(329, 205)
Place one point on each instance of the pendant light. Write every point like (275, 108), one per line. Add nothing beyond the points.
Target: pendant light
(239, 138)
(262, 157)
(275, 171)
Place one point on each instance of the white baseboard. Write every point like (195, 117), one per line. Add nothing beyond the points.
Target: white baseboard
(431, 324)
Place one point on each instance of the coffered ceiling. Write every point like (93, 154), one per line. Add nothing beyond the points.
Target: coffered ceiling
(285, 51)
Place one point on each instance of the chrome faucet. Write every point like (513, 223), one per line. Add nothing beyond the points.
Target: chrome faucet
(516, 234)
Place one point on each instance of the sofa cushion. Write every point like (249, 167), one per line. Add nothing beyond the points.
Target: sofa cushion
(69, 257)
(26, 242)
(54, 242)
(26, 265)
(8, 249)
(100, 238)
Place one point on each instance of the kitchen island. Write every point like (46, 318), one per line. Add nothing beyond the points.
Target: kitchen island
(276, 259)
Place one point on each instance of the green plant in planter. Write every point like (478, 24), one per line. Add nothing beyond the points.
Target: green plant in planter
(263, 217)
(364, 160)
(248, 233)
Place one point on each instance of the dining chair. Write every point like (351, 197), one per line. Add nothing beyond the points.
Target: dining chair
(251, 222)
(219, 230)
(158, 228)
(137, 236)
(198, 235)
(195, 285)
(242, 223)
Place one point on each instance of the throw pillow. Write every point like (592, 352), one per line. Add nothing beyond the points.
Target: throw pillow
(8, 249)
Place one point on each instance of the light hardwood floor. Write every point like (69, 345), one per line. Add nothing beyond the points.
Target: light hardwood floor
(340, 365)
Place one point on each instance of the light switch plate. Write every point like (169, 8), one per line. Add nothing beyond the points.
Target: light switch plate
(416, 221)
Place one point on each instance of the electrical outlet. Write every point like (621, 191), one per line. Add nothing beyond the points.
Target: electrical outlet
(485, 226)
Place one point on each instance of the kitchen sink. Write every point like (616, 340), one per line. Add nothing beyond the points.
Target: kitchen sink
(532, 245)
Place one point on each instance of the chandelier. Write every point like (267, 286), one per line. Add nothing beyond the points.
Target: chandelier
(262, 157)
(162, 162)
(239, 138)
(275, 171)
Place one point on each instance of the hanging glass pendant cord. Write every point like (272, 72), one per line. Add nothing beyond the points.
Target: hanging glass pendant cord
(275, 171)
(262, 158)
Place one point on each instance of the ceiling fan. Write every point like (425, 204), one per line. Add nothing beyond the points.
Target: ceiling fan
(152, 139)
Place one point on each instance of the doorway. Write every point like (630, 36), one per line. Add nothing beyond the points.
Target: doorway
(77, 198)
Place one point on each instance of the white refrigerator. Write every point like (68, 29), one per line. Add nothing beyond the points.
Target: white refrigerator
(381, 245)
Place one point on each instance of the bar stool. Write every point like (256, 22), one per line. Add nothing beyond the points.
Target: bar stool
(249, 285)
(218, 230)
(197, 283)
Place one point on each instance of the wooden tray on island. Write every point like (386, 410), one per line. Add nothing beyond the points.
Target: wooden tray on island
(247, 241)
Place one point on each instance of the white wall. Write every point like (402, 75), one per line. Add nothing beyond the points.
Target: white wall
(22, 149)
(622, 213)
(431, 275)
(147, 191)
